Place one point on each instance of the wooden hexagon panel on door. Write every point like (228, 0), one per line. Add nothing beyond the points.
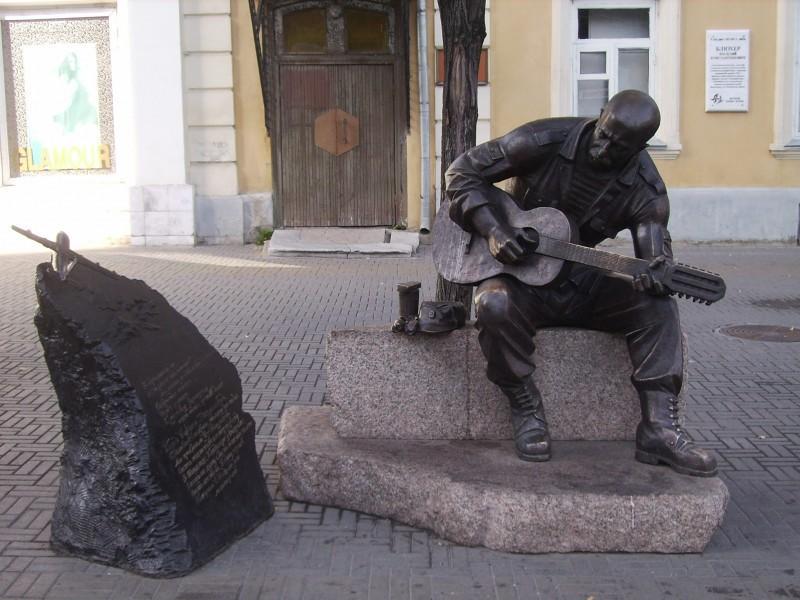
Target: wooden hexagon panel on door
(336, 131)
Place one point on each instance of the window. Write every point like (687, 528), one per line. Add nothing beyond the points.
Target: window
(367, 30)
(786, 143)
(483, 67)
(602, 46)
(304, 31)
(794, 36)
(335, 29)
(58, 96)
(613, 52)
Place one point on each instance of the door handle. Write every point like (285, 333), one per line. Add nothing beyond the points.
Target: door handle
(344, 131)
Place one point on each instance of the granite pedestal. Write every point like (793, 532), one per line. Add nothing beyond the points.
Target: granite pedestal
(415, 433)
(385, 385)
(591, 497)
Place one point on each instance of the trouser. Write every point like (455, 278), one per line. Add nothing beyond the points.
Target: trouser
(509, 313)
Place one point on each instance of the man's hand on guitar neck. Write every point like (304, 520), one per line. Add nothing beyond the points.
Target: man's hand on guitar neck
(507, 244)
(650, 281)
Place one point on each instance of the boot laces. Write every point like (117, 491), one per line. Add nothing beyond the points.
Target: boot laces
(673, 414)
(526, 404)
(681, 439)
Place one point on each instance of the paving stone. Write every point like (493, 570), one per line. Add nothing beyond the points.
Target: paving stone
(271, 317)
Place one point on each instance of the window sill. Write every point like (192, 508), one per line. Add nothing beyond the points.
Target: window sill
(54, 179)
(785, 152)
(664, 152)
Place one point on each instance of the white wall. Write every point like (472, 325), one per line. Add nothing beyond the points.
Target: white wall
(161, 199)
(208, 64)
(150, 36)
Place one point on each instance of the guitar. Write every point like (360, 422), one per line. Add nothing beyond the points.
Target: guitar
(464, 258)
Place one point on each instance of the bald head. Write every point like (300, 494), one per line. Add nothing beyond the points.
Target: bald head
(628, 120)
(636, 111)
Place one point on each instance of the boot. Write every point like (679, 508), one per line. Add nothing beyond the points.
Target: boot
(660, 439)
(531, 437)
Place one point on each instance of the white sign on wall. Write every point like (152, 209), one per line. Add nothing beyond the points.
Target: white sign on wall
(727, 70)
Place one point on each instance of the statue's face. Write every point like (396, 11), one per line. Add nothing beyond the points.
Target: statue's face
(613, 143)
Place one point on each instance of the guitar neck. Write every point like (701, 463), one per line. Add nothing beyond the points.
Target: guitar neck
(591, 257)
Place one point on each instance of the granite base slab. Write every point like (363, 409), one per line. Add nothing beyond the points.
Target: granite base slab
(388, 385)
(592, 496)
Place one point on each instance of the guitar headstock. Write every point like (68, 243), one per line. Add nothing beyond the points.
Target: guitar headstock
(691, 282)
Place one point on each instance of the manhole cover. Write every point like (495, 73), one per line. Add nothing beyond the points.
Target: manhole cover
(763, 333)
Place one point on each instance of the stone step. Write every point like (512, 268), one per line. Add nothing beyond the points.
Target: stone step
(342, 242)
(388, 385)
(590, 497)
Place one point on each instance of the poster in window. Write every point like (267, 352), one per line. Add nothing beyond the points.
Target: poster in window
(61, 98)
(727, 70)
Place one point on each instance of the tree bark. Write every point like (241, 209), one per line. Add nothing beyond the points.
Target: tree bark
(463, 32)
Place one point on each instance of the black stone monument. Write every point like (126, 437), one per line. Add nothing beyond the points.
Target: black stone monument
(159, 470)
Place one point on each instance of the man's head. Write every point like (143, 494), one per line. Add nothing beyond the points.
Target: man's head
(626, 123)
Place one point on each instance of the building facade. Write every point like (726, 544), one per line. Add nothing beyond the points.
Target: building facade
(150, 122)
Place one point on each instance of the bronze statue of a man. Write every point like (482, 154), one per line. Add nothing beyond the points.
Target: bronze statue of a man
(599, 174)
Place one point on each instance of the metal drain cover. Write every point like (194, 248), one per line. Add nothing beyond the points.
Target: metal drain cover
(763, 333)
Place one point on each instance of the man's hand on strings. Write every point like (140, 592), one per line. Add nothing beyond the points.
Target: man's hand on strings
(507, 244)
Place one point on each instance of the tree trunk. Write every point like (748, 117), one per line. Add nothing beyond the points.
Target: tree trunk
(463, 31)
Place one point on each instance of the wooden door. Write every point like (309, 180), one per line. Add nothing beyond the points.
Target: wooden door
(357, 187)
(340, 138)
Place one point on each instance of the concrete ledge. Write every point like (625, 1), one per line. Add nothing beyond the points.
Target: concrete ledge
(591, 497)
(342, 242)
(733, 214)
(387, 385)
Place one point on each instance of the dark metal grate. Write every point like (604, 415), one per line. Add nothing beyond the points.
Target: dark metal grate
(763, 333)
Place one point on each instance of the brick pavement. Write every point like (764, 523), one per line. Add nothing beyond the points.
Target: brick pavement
(270, 319)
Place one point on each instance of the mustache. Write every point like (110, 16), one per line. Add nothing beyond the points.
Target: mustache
(598, 153)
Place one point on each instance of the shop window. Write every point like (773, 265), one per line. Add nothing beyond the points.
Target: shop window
(483, 67)
(304, 31)
(58, 96)
(613, 52)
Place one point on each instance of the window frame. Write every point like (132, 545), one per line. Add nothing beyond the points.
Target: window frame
(786, 143)
(611, 46)
(336, 36)
(665, 61)
(483, 67)
(54, 13)
(796, 87)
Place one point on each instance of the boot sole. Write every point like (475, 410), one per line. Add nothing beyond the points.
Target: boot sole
(654, 459)
(534, 457)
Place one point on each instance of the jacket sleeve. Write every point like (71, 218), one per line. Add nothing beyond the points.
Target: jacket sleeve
(651, 237)
(468, 178)
(649, 221)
